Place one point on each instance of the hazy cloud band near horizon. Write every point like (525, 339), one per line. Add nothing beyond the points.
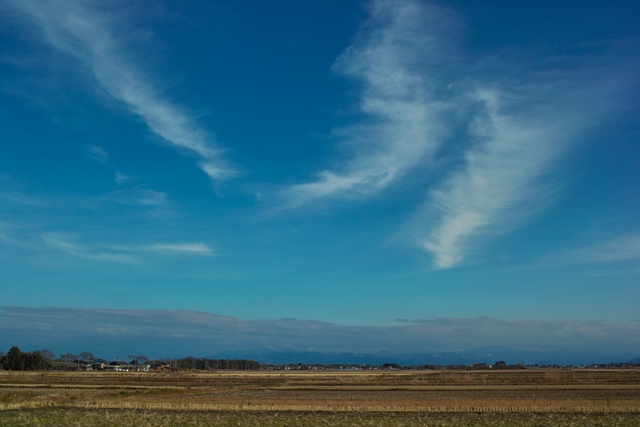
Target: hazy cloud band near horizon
(178, 332)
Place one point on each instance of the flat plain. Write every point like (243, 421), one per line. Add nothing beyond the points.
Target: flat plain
(333, 398)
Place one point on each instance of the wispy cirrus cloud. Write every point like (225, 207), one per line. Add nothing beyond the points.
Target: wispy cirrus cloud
(168, 248)
(3, 231)
(10, 193)
(521, 133)
(121, 178)
(75, 29)
(185, 248)
(500, 127)
(620, 249)
(141, 197)
(98, 154)
(398, 59)
(72, 245)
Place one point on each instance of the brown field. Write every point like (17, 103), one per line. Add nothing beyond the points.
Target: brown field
(363, 398)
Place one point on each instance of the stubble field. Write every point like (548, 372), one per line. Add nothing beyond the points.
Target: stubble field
(363, 398)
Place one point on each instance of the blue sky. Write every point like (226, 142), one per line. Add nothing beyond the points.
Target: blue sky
(343, 162)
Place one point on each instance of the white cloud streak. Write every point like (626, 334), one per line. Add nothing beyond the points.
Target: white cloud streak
(3, 235)
(521, 134)
(620, 249)
(71, 245)
(498, 187)
(402, 104)
(121, 178)
(150, 197)
(511, 125)
(182, 248)
(98, 154)
(74, 29)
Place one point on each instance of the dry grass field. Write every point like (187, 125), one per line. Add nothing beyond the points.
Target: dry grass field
(362, 398)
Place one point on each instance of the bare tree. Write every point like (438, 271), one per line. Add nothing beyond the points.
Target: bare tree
(68, 357)
(87, 355)
(47, 354)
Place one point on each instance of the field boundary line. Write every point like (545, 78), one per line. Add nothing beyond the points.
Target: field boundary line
(318, 408)
(457, 387)
(99, 386)
(334, 387)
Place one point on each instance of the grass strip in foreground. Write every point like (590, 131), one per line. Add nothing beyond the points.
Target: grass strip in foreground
(123, 417)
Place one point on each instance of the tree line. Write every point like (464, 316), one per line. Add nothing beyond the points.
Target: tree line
(16, 360)
(213, 364)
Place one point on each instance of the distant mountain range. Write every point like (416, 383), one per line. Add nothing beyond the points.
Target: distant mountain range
(466, 357)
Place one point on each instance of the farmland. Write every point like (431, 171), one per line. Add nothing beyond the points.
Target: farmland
(523, 397)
